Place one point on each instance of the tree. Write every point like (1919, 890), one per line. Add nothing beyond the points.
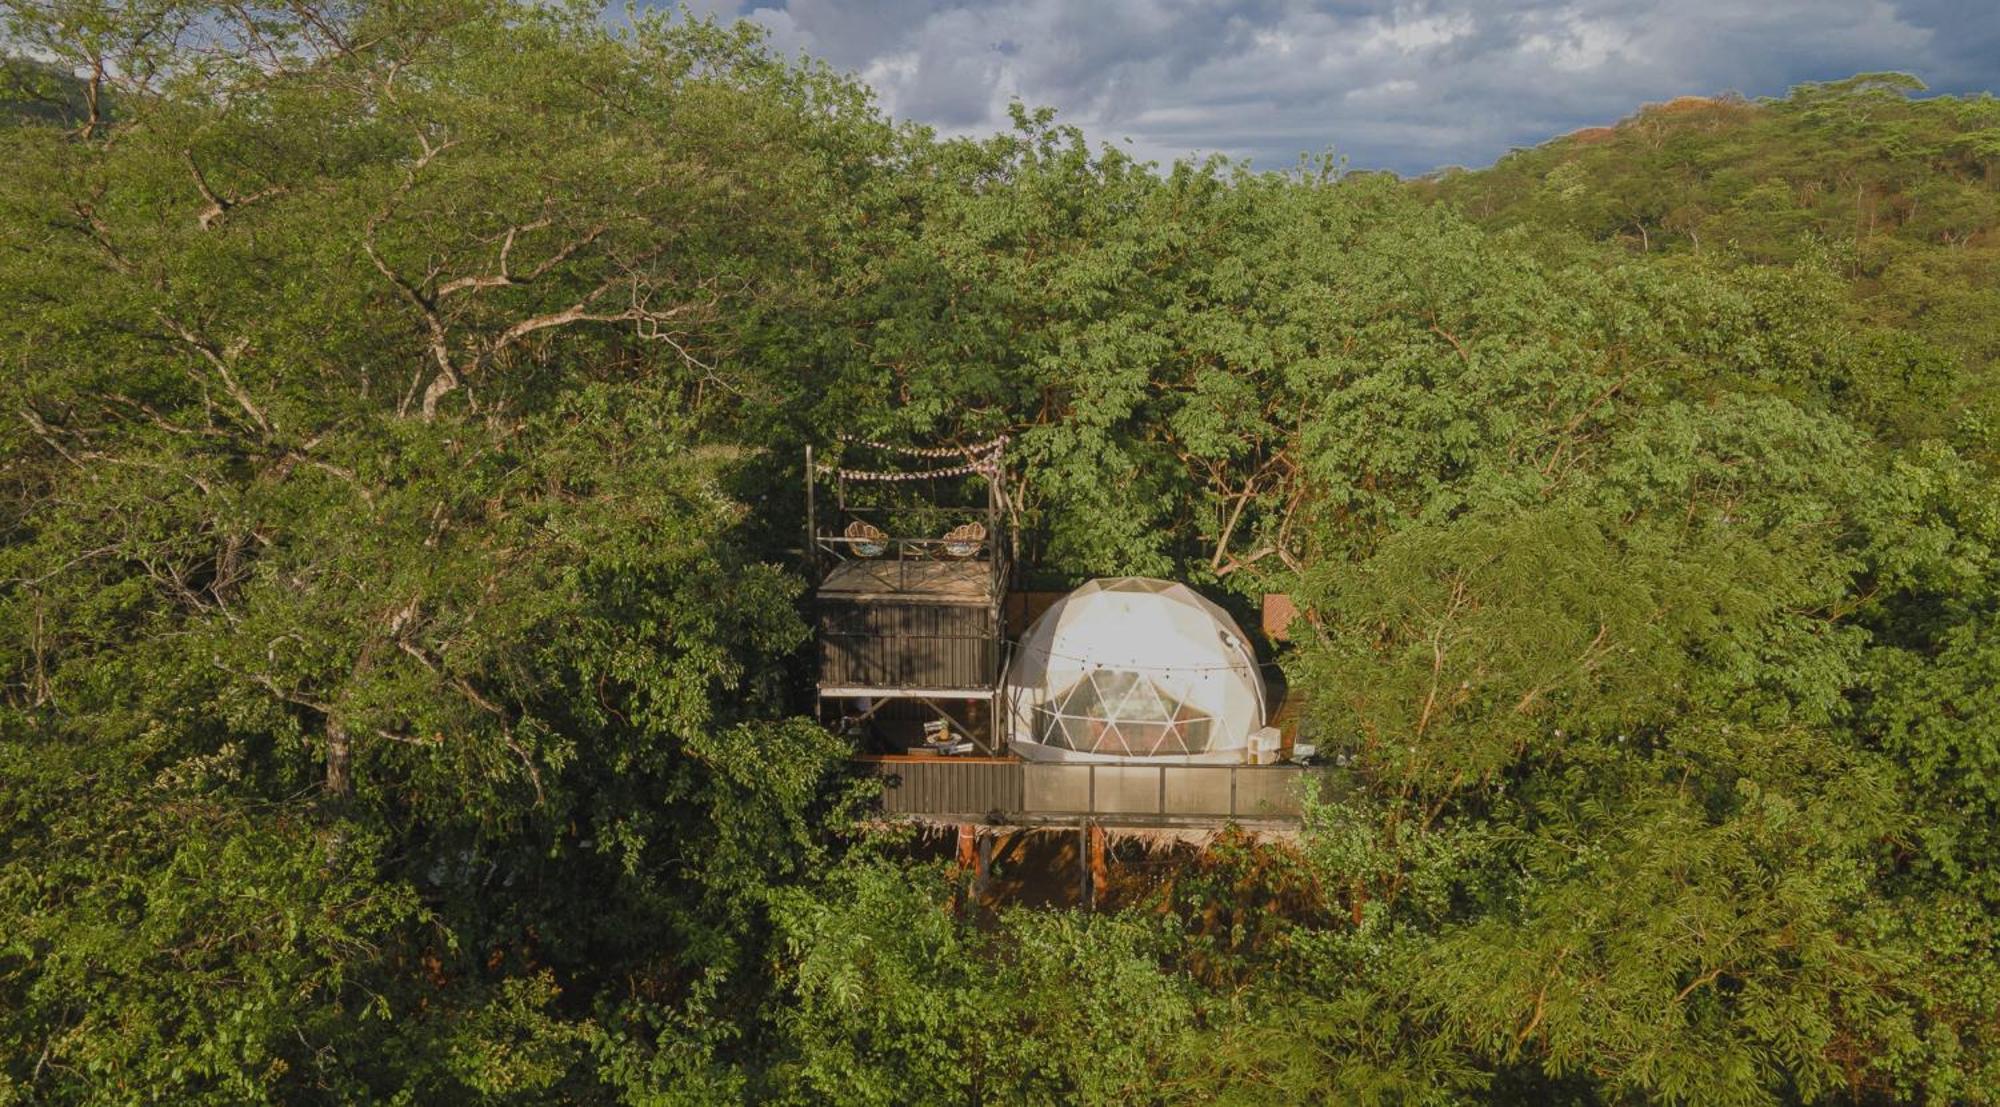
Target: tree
(355, 515)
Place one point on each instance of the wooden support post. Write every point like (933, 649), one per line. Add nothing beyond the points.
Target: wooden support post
(982, 872)
(967, 846)
(967, 896)
(1085, 894)
(1100, 873)
(812, 523)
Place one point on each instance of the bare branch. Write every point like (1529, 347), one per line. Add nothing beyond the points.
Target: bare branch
(220, 359)
(1451, 338)
(218, 206)
(274, 688)
(42, 432)
(346, 475)
(73, 562)
(506, 734)
(440, 346)
(506, 277)
(101, 235)
(405, 739)
(1245, 561)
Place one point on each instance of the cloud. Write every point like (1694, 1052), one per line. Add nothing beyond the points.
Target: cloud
(1402, 84)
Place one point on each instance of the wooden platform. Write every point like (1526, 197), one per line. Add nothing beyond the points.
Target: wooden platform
(910, 581)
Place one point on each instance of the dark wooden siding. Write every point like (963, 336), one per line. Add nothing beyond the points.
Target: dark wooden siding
(906, 645)
(963, 787)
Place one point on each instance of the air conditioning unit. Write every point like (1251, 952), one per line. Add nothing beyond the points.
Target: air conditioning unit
(1263, 747)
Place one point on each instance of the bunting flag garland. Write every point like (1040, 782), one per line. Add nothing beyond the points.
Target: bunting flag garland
(985, 468)
(985, 461)
(993, 447)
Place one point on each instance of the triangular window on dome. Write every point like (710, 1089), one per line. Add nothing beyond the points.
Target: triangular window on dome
(1145, 702)
(1110, 739)
(1078, 699)
(1078, 734)
(1175, 739)
(1196, 733)
(1048, 726)
(1113, 689)
(1124, 693)
(1149, 738)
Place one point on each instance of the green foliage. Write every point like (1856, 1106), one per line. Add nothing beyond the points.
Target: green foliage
(400, 671)
(897, 1001)
(1900, 188)
(317, 542)
(1710, 941)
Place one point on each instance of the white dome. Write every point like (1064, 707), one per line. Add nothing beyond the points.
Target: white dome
(1133, 668)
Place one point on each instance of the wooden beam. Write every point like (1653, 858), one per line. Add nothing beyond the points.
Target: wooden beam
(844, 691)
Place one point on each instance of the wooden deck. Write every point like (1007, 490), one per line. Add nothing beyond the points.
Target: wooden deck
(910, 581)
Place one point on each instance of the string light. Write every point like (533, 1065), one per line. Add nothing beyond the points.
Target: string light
(1015, 643)
(984, 460)
(992, 447)
(984, 467)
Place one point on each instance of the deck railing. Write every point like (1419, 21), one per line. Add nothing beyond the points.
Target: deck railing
(1029, 792)
(903, 553)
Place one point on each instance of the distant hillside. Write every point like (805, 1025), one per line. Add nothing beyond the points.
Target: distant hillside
(1902, 193)
(33, 92)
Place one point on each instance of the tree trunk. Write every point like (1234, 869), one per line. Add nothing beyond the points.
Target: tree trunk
(339, 752)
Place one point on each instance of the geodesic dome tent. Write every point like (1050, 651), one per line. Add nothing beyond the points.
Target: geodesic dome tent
(1132, 668)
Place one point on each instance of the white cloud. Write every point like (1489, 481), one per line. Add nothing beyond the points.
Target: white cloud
(1405, 34)
(1403, 84)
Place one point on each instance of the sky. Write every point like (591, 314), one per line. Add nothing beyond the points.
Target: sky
(1407, 85)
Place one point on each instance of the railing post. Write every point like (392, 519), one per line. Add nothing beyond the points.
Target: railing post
(1100, 873)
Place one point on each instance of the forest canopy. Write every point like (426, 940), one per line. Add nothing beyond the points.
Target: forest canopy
(401, 694)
